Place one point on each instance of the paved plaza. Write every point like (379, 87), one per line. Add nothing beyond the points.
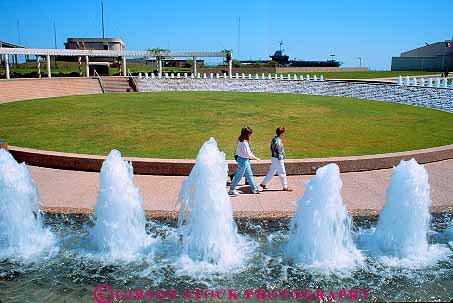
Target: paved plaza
(361, 190)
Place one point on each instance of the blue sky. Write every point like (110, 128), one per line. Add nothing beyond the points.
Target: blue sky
(312, 30)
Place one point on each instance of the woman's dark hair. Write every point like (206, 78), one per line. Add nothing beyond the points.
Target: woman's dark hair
(280, 130)
(245, 134)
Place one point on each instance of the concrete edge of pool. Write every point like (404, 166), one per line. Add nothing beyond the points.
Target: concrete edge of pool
(182, 167)
(258, 215)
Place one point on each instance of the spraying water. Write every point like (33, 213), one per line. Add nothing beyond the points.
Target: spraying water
(449, 234)
(206, 225)
(403, 224)
(22, 234)
(120, 219)
(449, 230)
(407, 81)
(320, 234)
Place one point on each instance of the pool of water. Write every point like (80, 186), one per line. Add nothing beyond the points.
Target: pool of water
(72, 268)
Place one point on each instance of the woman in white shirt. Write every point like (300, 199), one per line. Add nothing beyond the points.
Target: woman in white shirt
(244, 154)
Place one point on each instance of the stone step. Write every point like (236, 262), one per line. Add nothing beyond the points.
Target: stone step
(115, 84)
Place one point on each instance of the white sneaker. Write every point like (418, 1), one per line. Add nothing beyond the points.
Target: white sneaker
(257, 191)
(233, 192)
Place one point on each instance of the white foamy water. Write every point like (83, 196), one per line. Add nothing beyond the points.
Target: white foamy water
(120, 220)
(22, 234)
(449, 231)
(401, 234)
(209, 236)
(449, 234)
(320, 233)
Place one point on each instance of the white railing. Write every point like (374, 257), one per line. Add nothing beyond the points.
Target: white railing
(422, 82)
(237, 76)
(103, 53)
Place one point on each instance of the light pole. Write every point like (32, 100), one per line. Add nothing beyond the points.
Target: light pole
(102, 18)
(360, 61)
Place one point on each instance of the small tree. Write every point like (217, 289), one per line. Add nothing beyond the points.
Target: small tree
(228, 55)
(188, 64)
(159, 53)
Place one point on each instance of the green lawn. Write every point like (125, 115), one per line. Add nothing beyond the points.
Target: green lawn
(175, 124)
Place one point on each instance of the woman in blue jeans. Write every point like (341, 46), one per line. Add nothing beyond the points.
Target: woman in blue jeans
(244, 154)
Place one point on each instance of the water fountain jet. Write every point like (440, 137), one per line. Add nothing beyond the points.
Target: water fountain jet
(320, 233)
(22, 234)
(120, 219)
(402, 228)
(208, 231)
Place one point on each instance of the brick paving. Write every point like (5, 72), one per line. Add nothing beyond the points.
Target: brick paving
(361, 190)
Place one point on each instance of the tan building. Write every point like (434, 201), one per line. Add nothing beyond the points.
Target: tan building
(102, 65)
(115, 44)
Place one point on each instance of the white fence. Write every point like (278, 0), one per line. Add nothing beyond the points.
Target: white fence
(288, 77)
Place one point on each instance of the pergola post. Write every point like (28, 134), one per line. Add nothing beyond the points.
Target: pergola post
(159, 66)
(123, 65)
(194, 65)
(79, 59)
(230, 64)
(49, 72)
(87, 67)
(6, 66)
(38, 63)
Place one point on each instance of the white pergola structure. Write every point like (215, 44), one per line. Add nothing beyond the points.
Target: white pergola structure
(87, 54)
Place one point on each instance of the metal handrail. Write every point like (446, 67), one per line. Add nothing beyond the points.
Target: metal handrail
(131, 78)
(96, 75)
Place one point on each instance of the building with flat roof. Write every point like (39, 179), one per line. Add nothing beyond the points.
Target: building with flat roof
(115, 44)
(431, 57)
(102, 65)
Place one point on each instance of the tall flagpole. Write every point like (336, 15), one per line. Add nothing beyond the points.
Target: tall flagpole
(102, 13)
(55, 35)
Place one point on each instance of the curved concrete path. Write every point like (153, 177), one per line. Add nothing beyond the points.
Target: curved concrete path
(75, 192)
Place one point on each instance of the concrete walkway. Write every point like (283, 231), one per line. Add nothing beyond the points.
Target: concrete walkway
(361, 190)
